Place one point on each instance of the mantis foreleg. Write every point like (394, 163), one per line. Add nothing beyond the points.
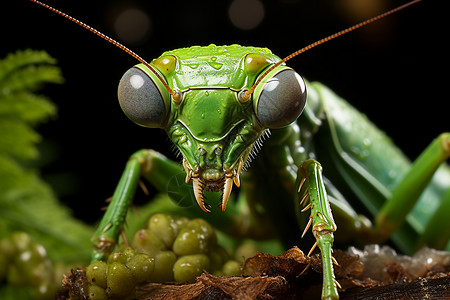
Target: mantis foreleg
(161, 172)
(112, 222)
(321, 221)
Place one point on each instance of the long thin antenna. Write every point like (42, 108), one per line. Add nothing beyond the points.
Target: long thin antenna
(248, 93)
(112, 41)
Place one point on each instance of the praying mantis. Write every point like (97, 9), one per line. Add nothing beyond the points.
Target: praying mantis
(216, 137)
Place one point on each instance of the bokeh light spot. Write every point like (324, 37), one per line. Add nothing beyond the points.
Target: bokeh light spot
(246, 14)
(132, 25)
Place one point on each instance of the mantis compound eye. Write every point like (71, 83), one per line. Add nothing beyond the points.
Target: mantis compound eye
(143, 98)
(280, 99)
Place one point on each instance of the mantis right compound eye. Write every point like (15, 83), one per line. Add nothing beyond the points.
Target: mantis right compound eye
(144, 99)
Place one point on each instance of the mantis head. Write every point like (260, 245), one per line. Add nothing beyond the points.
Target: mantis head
(211, 123)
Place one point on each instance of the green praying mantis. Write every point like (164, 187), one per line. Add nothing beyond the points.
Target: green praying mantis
(219, 103)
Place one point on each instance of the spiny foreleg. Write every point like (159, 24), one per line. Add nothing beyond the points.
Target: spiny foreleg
(321, 221)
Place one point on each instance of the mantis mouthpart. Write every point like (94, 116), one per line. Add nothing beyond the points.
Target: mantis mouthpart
(224, 184)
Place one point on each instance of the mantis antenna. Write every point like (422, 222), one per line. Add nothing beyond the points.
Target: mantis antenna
(174, 94)
(247, 94)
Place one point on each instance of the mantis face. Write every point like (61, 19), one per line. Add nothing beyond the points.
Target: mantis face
(209, 121)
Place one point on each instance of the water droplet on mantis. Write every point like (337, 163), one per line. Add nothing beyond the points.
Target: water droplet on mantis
(215, 65)
(193, 66)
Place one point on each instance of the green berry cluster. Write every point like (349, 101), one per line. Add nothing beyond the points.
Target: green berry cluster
(25, 265)
(169, 249)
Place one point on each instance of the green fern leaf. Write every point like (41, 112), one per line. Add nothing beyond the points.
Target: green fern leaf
(29, 78)
(17, 139)
(26, 107)
(26, 202)
(22, 59)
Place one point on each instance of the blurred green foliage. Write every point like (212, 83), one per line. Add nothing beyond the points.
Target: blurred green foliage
(26, 202)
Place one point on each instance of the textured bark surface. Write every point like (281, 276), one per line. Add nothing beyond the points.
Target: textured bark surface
(293, 275)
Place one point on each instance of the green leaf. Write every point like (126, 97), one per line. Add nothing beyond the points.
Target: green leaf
(34, 209)
(29, 78)
(18, 139)
(26, 106)
(26, 202)
(25, 58)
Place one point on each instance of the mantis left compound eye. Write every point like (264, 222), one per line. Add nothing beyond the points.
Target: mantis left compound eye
(143, 98)
(280, 99)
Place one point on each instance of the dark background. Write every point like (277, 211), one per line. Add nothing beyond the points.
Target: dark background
(393, 71)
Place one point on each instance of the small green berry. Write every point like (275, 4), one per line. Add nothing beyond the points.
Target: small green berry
(96, 273)
(188, 267)
(120, 281)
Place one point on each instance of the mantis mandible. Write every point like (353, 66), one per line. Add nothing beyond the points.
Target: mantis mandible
(217, 104)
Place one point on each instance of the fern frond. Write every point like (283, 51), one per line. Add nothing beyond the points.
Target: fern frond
(26, 202)
(33, 208)
(23, 58)
(20, 74)
(18, 139)
(26, 106)
(30, 78)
